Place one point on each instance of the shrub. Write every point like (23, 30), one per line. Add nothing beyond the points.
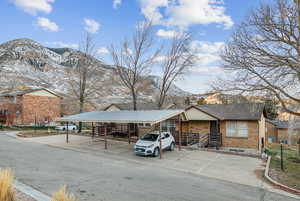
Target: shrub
(63, 195)
(7, 191)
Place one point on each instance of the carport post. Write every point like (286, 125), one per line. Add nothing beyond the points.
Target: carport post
(160, 142)
(93, 130)
(67, 136)
(180, 132)
(129, 132)
(105, 135)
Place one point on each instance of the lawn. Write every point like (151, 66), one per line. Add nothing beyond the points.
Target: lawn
(291, 163)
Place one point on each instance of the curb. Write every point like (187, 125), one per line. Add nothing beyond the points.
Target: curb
(231, 153)
(277, 184)
(37, 195)
(21, 135)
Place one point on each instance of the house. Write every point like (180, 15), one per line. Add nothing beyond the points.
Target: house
(29, 107)
(129, 106)
(282, 131)
(233, 125)
(227, 125)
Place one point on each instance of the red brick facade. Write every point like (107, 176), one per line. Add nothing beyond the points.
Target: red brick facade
(27, 108)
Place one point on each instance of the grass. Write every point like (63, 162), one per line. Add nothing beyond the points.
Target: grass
(291, 163)
(63, 195)
(7, 191)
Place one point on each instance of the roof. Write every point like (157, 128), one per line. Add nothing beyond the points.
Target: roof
(244, 111)
(26, 91)
(141, 116)
(284, 124)
(279, 123)
(140, 106)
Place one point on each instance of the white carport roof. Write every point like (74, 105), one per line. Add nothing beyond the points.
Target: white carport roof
(140, 116)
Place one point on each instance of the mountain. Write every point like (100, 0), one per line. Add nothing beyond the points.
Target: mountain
(24, 62)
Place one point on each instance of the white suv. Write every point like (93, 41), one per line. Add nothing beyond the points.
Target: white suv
(65, 127)
(149, 144)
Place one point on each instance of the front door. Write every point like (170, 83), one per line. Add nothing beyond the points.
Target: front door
(214, 127)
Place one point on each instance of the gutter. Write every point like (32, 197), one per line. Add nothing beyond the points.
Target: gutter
(277, 184)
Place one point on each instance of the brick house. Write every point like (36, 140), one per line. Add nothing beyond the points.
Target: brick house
(278, 131)
(29, 106)
(229, 125)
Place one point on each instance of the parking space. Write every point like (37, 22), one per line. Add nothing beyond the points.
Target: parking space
(237, 169)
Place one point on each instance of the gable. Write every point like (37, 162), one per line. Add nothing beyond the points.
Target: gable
(195, 114)
(41, 93)
(112, 108)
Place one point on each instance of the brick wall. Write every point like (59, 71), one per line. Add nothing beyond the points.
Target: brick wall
(43, 107)
(271, 131)
(282, 134)
(250, 142)
(202, 127)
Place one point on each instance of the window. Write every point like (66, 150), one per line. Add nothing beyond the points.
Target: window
(144, 125)
(168, 126)
(236, 129)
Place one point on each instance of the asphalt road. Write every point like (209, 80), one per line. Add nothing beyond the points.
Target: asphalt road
(97, 178)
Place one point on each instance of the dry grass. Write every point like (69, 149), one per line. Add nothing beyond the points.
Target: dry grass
(63, 195)
(7, 191)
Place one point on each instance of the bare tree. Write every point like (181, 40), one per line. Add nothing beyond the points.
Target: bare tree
(264, 54)
(134, 58)
(177, 60)
(83, 77)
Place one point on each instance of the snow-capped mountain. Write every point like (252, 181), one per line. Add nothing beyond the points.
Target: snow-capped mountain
(26, 62)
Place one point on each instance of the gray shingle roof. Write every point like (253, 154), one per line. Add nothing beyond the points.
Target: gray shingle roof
(25, 91)
(244, 111)
(140, 106)
(283, 124)
(125, 116)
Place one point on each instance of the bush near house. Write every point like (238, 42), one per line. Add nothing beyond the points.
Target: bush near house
(291, 163)
(7, 191)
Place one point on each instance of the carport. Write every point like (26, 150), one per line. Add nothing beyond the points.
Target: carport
(152, 117)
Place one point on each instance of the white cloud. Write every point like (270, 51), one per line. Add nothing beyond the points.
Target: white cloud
(150, 9)
(166, 34)
(207, 47)
(116, 3)
(47, 25)
(207, 56)
(91, 25)
(63, 44)
(34, 6)
(102, 50)
(183, 13)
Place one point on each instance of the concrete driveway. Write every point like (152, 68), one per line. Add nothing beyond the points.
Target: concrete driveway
(232, 168)
(109, 175)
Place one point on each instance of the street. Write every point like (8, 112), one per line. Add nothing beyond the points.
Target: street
(95, 178)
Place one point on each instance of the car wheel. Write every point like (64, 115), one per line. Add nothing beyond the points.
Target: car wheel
(63, 129)
(156, 152)
(172, 147)
(74, 129)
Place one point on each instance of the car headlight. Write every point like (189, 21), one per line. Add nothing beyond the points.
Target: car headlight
(150, 146)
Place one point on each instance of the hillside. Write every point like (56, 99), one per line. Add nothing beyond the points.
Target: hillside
(24, 62)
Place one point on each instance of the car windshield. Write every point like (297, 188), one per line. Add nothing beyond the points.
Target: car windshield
(150, 137)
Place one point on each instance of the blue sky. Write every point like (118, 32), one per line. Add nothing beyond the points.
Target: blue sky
(62, 23)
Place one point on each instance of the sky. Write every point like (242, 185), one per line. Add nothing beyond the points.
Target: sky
(63, 23)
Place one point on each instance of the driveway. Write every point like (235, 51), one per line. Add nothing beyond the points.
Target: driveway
(107, 176)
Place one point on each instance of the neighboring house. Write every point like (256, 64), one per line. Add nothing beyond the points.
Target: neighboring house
(29, 106)
(281, 131)
(129, 106)
(228, 125)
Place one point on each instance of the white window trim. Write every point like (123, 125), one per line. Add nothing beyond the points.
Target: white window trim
(236, 130)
